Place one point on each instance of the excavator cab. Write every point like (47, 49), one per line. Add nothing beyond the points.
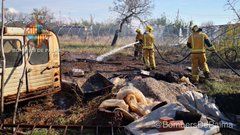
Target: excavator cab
(32, 60)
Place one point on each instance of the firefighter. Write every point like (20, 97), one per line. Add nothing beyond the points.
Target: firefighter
(148, 48)
(198, 42)
(138, 46)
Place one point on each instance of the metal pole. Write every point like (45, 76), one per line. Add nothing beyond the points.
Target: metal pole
(3, 62)
(20, 85)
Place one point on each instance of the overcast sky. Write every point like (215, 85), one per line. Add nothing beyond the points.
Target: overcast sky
(199, 11)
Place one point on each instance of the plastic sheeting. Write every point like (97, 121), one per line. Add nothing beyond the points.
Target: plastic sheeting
(195, 101)
(147, 125)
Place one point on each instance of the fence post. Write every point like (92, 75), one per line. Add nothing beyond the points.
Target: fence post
(3, 62)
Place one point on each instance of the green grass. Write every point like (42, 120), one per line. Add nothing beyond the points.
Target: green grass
(44, 132)
(215, 88)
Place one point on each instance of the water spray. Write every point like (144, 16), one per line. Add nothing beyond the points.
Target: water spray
(102, 57)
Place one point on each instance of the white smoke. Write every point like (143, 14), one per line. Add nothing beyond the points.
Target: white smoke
(12, 11)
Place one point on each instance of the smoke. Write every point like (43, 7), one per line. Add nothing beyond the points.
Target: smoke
(12, 11)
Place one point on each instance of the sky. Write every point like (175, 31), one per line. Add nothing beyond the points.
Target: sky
(200, 11)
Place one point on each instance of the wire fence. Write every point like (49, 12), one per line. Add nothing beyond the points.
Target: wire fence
(170, 39)
(23, 129)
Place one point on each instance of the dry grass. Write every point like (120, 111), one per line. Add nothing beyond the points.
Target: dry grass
(98, 45)
(78, 113)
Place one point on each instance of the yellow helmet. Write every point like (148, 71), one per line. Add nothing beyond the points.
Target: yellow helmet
(149, 28)
(195, 28)
(138, 30)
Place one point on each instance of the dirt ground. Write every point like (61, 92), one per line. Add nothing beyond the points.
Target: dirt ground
(65, 107)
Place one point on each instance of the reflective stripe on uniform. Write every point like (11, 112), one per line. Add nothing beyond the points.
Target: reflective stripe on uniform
(193, 46)
(195, 75)
(198, 51)
(144, 39)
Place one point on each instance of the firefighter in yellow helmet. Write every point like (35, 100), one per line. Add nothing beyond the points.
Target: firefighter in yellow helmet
(138, 46)
(148, 48)
(198, 41)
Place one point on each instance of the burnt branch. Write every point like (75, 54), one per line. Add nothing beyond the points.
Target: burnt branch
(130, 9)
(231, 4)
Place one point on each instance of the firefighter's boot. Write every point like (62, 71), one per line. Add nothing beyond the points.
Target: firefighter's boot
(207, 75)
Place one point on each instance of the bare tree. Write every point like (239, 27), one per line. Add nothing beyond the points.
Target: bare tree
(128, 10)
(16, 19)
(231, 4)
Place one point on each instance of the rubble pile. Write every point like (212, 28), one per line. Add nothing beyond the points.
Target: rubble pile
(146, 101)
(160, 90)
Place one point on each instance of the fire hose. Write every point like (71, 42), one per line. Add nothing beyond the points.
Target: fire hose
(226, 63)
(177, 62)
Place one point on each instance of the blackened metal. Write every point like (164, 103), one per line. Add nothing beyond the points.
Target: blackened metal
(10, 100)
(96, 85)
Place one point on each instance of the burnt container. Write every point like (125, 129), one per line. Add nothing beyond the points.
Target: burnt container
(96, 85)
